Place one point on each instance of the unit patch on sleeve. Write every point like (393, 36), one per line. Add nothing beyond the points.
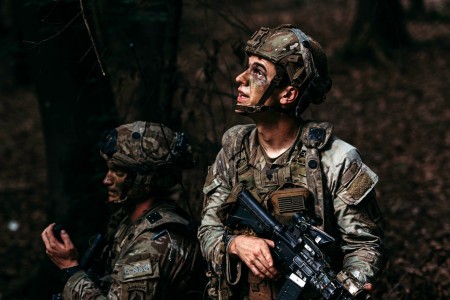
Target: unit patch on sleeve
(358, 188)
(139, 268)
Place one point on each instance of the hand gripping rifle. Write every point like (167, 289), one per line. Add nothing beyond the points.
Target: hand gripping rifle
(297, 250)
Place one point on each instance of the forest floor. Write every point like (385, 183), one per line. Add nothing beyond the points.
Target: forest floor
(398, 116)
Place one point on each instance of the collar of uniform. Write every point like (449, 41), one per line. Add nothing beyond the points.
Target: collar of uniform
(253, 146)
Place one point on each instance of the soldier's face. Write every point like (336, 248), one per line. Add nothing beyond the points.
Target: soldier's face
(254, 81)
(114, 181)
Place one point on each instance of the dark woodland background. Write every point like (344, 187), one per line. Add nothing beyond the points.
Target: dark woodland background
(175, 61)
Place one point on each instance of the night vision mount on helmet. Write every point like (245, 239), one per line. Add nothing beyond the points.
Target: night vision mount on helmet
(151, 153)
(296, 55)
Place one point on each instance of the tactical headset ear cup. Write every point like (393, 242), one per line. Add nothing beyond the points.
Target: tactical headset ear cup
(165, 177)
(318, 88)
(314, 93)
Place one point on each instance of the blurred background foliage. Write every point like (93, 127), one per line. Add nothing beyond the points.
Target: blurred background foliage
(70, 69)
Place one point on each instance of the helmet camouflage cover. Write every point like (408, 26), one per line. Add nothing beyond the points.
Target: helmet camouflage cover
(295, 54)
(147, 149)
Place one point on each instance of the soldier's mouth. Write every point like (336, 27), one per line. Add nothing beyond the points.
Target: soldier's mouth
(242, 97)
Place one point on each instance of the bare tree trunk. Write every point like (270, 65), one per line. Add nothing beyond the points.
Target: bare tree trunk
(142, 54)
(169, 80)
(75, 100)
(379, 30)
(76, 105)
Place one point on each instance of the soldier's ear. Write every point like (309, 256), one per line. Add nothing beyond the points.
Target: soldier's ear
(288, 95)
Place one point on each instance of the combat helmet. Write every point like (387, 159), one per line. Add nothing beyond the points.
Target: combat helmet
(151, 153)
(298, 58)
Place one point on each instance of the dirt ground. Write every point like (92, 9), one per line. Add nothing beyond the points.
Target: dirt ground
(397, 115)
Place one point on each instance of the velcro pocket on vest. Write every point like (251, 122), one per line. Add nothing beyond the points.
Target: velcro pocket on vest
(287, 202)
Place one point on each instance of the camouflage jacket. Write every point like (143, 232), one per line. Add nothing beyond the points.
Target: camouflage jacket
(153, 258)
(353, 214)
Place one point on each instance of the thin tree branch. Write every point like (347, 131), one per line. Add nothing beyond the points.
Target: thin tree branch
(237, 23)
(56, 34)
(92, 39)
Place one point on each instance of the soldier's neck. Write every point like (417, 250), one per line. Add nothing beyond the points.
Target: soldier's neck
(140, 209)
(277, 136)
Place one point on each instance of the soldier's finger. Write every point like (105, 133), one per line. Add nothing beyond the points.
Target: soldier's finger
(267, 260)
(45, 239)
(66, 238)
(255, 270)
(270, 243)
(260, 267)
(46, 236)
(46, 229)
(266, 255)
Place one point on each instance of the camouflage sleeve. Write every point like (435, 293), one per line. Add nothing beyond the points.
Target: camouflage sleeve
(361, 238)
(356, 212)
(81, 286)
(216, 191)
(153, 267)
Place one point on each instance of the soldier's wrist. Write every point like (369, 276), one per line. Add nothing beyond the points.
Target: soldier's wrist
(66, 273)
(227, 241)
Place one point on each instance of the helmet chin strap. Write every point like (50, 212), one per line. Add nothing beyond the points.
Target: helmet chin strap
(247, 110)
(122, 200)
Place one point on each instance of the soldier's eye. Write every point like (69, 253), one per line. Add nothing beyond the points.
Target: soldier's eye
(120, 173)
(258, 71)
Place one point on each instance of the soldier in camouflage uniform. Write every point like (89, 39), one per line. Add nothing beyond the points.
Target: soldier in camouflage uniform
(290, 165)
(151, 251)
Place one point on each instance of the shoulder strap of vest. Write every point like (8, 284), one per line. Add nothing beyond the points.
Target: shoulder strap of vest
(315, 136)
(233, 138)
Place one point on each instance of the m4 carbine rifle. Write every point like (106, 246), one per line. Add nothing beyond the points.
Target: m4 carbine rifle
(297, 250)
